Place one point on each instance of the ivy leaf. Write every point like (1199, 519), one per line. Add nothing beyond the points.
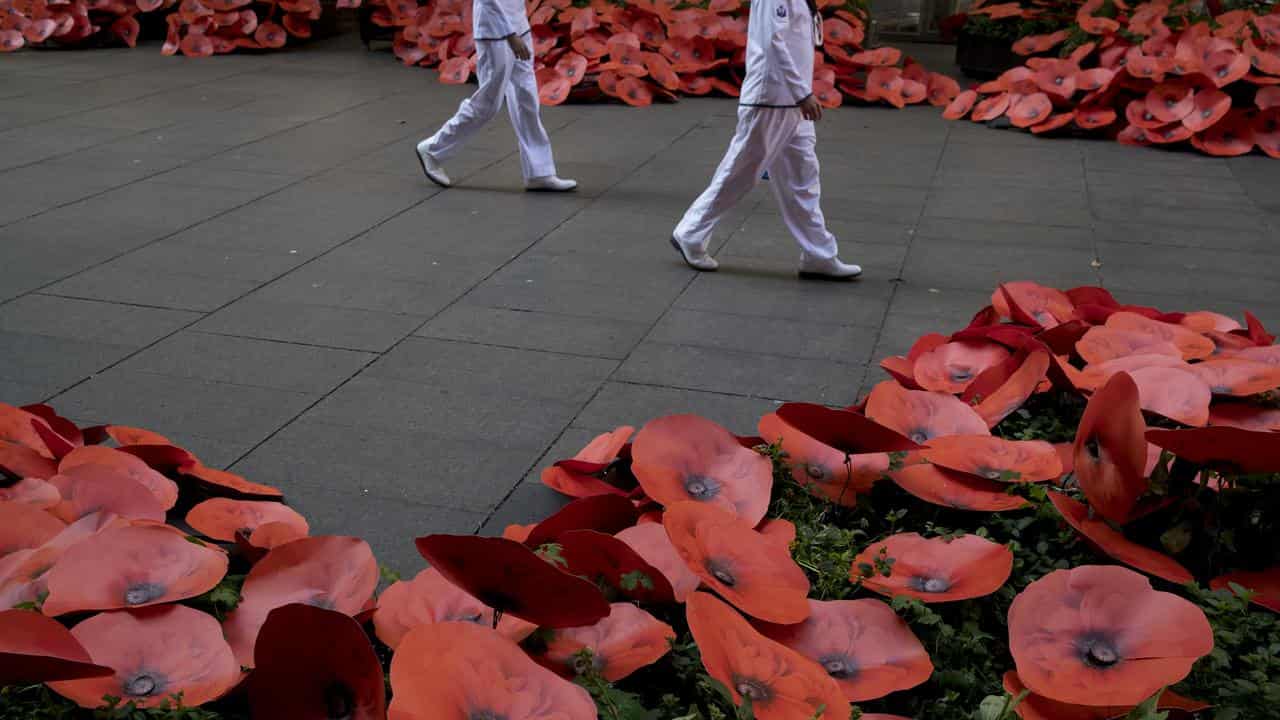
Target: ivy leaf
(1147, 710)
(636, 579)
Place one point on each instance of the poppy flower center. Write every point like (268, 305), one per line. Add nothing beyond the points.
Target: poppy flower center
(924, 583)
(321, 601)
(143, 593)
(961, 374)
(339, 701)
(1098, 652)
(701, 487)
(751, 688)
(721, 572)
(815, 472)
(919, 435)
(840, 667)
(144, 684)
(485, 715)
(991, 473)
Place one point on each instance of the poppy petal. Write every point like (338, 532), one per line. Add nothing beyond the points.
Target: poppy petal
(650, 542)
(1115, 545)
(37, 649)
(1264, 584)
(87, 489)
(936, 569)
(992, 458)
(430, 598)
(949, 488)
(602, 513)
(1228, 449)
(1109, 454)
(604, 558)
(620, 644)
(222, 518)
(921, 415)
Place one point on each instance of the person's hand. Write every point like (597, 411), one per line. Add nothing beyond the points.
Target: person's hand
(518, 47)
(811, 109)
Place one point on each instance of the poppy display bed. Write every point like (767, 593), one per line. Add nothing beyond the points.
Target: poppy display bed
(1065, 509)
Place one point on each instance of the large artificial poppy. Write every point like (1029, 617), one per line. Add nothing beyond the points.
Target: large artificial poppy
(21, 461)
(24, 526)
(510, 578)
(1109, 455)
(993, 458)
(1246, 416)
(430, 598)
(315, 664)
(605, 559)
(781, 683)
(625, 641)
(123, 463)
(221, 482)
(582, 476)
(129, 567)
(332, 572)
(1037, 707)
(686, 457)
(1264, 584)
(1102, 343)
(1114, 544)
(952, 489)
(222, 518)
(752, 571)
(1226, 449)
(1002, 389)
(650, 542)
(1096, 375)
(862, 644)
(952, 366)
(157, 653)
(935, 569)
(36, 649)
(921, 415)
(1190, 343)
(32, 492)
(603, 513)
(1100, 635)
(462, 671)
(1177, 394)
(24, 574)
(19, 426)
(1032, 304)
(87, 489)
(1237, 376)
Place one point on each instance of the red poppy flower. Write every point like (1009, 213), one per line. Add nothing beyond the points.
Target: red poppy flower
(462, 671)
(1037, 707)
(1032, 304)
(510, 578)
(222, 518)
(650, 542)
(783, 531)
(950, 367)
(24, 574)
(781, 683)
(1110, 450)
(92, 488)
(1227, 449)
(332, 572)
(625, 641)
(1264, 584)
(1237, 376)
(32, 492)
(753, 572)
(18, 426)
(1210, 107)
(1229, 137)
(603, 513)
(24, 526)
(1190, 343)
(1097, 374)
(553, 88)
(131, 567)
(993, 458)
(156, 653)
(1033, 44)
(1114, 544)
(921, 415)
(685, 457)
(1100, 635)
(991, 108)
(1176, 394)
(37, 649)
(952, 489)
(1092, 117)
(1245, 416)
(1267, 98)
(1054, 122)
(1101, 344)
(862, 644)
(936, 569)
(430, 598)
(603, 558)
(1030, 110)
(1095, 79)
(221, 482)
(165, 490)
(312, 664)
(1000, 390)
(960, 105)
(942, 90)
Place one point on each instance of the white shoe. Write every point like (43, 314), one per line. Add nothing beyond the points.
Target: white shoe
(431, 167)
(812, 268)
(697, 259)
(550, 183)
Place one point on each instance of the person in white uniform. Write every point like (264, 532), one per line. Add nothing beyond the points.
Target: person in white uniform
(775, 135)
(504, 64)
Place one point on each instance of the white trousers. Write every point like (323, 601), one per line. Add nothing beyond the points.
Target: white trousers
(782, 142)
(502, 77)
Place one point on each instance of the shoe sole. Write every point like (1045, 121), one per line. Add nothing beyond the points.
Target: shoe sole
(676, 244)
(828, 278)
(423, 163)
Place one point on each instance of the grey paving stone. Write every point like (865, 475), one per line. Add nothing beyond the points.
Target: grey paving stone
(981, 266)
(848, 344)
(765, 238)
(1257, 239)
(569, 334)
(1192, 273)
(297, 322)
(777, 293)
(21, 393)
(53, 362)
(177, 291)
(91, 321)
(568, 444)
(1009, 203)
(528, 503)
(595, 301)
(1004, 233)
(948, 306)
(620, 403)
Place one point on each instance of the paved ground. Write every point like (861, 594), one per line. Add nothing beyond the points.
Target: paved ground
(242, 254)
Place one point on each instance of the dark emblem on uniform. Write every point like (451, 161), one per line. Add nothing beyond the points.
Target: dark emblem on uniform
(782, 11)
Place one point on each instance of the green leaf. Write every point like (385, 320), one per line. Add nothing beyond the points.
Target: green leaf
(636, 579)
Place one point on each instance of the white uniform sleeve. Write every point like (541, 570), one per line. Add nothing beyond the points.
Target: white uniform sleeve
(784, 64)
(491, 22)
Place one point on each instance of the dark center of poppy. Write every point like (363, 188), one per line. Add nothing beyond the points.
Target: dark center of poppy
(1222, 72)
(927, 584)
(485, 715)
(840, 667)
(990, 473)
(722, 572)
(144, 684)
(1098, 651)
(339, 701)
(475, 618)
(919, 435)
(143, 593)
(1059, 80)
(1091, 447)
(324, 602)
(961, 374)
(701, 487)
(583, 664)
(751, 688)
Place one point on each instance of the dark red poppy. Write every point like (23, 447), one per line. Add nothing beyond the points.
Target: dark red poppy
(222, 518)
(1227, 449)
(992, 458)
(315, 664)
(625, 641)
(1100, 635)
(332, 572)
(685, 457)
(1110, 450)
(37, 649)
(936, 569)
(510, 578)
(1266, 130)
(753, 572)
(1037, 707)
(1114, 544)
(921, 415)
(602, 513)
(1245, 416)
(781, 683)
(157, 653)
(1179, 395)
(650, 542)
(1264, 584)
(463, 671)
(952, 489)
(430, 598)
(862, 644)
(603, 558)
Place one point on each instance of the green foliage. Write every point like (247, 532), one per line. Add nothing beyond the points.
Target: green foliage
(222, 599)
(1241, 677)
(37, 702)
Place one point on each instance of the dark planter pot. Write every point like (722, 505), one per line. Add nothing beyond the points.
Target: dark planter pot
(985, 57)
(369, 32)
